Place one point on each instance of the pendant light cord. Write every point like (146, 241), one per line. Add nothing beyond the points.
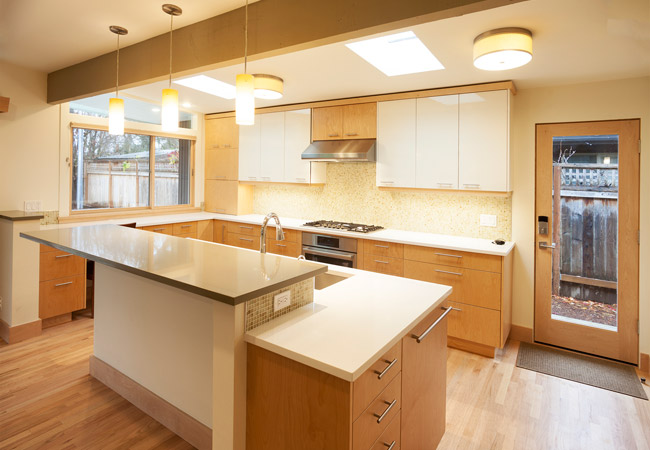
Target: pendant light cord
(117, 72)
(246, 40)
(171, 35)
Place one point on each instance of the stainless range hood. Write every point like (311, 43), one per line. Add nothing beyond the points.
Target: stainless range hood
(345, 150)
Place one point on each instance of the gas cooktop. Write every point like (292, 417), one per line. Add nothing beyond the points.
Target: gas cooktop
(343, 226)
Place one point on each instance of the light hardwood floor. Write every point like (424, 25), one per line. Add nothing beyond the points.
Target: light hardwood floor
(48, 400)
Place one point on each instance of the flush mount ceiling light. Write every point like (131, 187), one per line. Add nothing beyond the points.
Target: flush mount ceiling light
(244, 84)
(170, 96)
(209, 85)
(116, 104)
(503, 49)
(397, 54)
(267, 86)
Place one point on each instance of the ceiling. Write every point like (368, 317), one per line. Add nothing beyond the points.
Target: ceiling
(48, 35)
(574, 41)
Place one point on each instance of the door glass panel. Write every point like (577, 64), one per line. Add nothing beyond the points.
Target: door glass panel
(585, 230)
(173, 171)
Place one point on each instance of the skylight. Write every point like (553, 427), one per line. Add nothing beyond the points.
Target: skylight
(397, 54)
(209, 86)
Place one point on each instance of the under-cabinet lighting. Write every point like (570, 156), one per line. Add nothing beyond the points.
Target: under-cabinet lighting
(209, 85)
(397, 54)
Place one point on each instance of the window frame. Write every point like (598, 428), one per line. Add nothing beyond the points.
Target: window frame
(152, 173)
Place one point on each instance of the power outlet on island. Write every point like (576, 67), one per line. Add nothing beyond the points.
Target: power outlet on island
(488, 220)
(281, 300)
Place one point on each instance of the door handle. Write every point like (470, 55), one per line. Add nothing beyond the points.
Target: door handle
(545, 245)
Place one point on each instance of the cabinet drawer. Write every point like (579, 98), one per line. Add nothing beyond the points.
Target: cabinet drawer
(184, 228)
(390, 436)
(59, 264)
(219, 231)
(384, 264)
(473, 287)
(284, 248)
(46, 248)
(187, 235)
(478, 261)
(164, 228)
(244, 228)
(380, 248)
(375, 379)
(366, 429)
(60, 296)
(289, 235)
(475, 324)
(243, 241)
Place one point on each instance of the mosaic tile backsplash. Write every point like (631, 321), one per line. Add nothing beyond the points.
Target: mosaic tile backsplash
(351, 194)
(260, 310)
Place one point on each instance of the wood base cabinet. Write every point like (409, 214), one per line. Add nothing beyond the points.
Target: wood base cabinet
(291, 406)
(62, 287)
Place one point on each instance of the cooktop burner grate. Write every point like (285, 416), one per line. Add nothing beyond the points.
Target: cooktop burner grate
(343, 226)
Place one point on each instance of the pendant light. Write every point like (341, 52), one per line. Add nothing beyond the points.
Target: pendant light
(503, 49)
(170, 96)
(116, 104)
(245, 84)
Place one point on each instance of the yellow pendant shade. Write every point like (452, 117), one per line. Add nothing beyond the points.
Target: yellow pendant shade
(503, 49)
(116, 116)
(169, 110)
(245, 100)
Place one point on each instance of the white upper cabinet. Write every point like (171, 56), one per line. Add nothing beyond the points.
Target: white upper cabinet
(396, 125)
(297, 137)
(271, 146)
(249, 152)
(483, 141)
(436, 153)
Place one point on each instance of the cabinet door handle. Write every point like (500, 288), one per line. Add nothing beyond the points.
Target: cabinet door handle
(387, 182)
(280, 245)
(220, 176)
(333, 135)
(301, 179)
(158, 229)
(352, 134)
(433, 325)
(381, 246)
(245, 239)
(445, 184)
(471, 185)
(252, 178)
(245, 227)
(450, 273)
(447, 254)
(226, 146)
(63, 256)
(215, 146)
(390, 406)
(223, 233)
(391, 445)
(383, 372)
(186, 226)
(63, 284)
(381, 262)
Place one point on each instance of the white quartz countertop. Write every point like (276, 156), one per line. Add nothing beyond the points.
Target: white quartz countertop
(351, 323)
(227, 274)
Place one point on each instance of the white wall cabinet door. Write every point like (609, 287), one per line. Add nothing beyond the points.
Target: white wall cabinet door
(271, 146)
(484, 141)
(297, 137)
(436, 152)
(249, 152)
(396, 122)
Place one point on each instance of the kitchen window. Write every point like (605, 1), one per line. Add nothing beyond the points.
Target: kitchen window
(130, 171)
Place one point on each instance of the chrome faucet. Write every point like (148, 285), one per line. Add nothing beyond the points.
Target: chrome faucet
(279, 234)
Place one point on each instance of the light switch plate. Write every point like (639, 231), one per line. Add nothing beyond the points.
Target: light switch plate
(488, 220)
(281, 300)
(33, 206)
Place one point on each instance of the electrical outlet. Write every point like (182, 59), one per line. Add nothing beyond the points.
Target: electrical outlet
(33, 206)
(281, 300)
(488, 220)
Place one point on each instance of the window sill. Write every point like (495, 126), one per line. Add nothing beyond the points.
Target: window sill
(89, 216)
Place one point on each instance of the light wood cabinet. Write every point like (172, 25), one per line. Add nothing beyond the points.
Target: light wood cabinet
(221, 133)
(62, 285)
(243, 241)
(483, 141)
(291, 245)
(293, 407)
(396, 126)
(219, 231)
(184, 228)
(358, 121)
(162, 228)
(228, 197)
(383, 264)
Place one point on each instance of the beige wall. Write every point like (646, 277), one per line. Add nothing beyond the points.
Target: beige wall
(29, 140)
(351, 194)
(620, 99)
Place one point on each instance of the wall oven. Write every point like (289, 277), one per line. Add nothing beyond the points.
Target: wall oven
(326, 249)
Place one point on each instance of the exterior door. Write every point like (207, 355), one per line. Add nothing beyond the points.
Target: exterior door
(587, 258)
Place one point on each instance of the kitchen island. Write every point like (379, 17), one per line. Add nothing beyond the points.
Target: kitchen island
(171, 316)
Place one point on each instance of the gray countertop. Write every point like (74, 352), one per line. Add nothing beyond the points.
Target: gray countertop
(15, 215)
(220, 272)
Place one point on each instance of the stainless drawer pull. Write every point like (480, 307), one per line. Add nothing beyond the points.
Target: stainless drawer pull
(383, 372)
(245, 239)
(63, 284)
(381, 246)
(301, 179)
(226, 146)
(381, 262)
(391, 445)
(428, 330)
(352, 134)
(450, 273)
(220, 176)
(447, 254)
(445, 184)
(220, 209)
(390, 406)
(333, 135)
(245, 227)
(223, 233)
(186, 226)
(280, 245)
(472, 185)
(387, 182)
(158, 229)
(63, 256)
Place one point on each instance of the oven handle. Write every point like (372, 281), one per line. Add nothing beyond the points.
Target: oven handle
(313, 251)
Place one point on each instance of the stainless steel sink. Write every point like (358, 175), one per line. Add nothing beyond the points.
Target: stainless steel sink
(327, 279)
